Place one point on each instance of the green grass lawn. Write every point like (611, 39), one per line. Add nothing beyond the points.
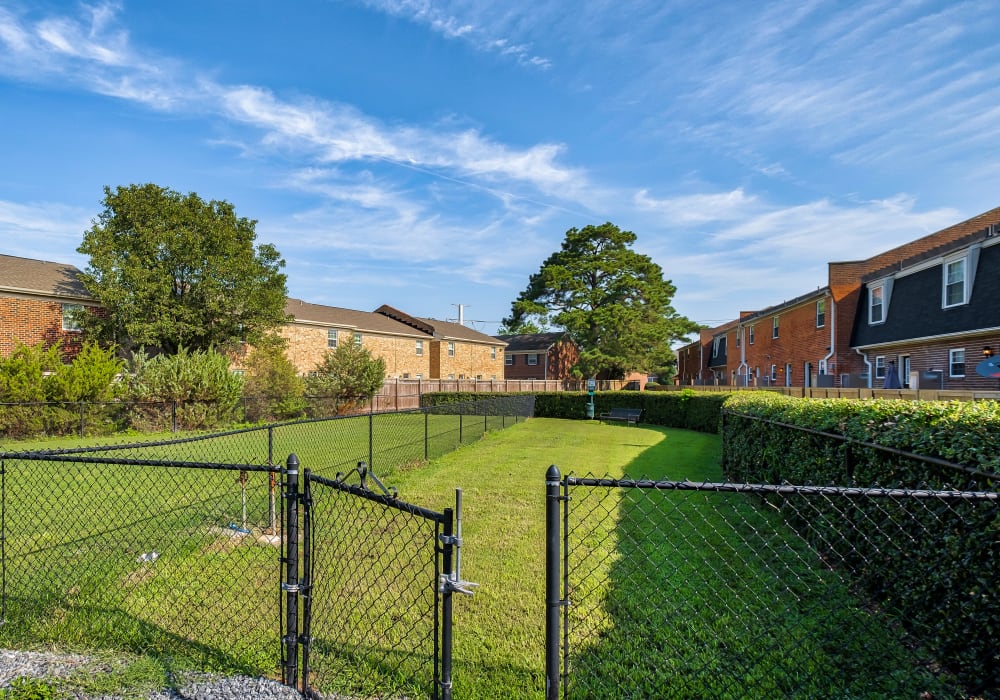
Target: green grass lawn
(75, 580)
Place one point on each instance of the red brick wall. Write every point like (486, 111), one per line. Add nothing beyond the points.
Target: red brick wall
(799, 341)
(34, 321)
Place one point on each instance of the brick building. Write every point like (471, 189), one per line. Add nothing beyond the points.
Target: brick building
(412, 347)
(539, 356)
(927, 306)
(37, 300)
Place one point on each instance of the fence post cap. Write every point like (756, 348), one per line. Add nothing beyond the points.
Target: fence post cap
(552, 473)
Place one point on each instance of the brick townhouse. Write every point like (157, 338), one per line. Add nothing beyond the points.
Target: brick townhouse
(37, 299)
(927, 307)
(539, 355)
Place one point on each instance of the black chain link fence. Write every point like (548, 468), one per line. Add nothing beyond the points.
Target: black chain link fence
(373, 574)
(684, 590)
(174, 549)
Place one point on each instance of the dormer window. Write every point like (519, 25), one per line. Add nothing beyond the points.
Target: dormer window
(876, 305)
(954, 283)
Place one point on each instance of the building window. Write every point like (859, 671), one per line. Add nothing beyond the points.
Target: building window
(774, 327)
(357, 339)
(451, 349)
(508, 360)
(533, 359)
(331, 338)
(70, 321)
(956, 362)
(954, 283)
(493, 353)
(715, 346)
(751, 335)
(420, 348)
(774, 373)
(739, 336)
(821, 313)
(880, 366)
(875, 308)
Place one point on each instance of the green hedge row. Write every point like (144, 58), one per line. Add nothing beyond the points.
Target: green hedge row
(933, 563)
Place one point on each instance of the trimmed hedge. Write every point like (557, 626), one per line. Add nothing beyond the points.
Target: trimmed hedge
(677, 409)
(934, 563)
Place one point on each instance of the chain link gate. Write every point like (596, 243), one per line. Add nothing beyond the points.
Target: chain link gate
(369, 583)
(685, 590)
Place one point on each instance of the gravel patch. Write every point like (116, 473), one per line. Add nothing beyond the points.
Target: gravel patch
(189, 686)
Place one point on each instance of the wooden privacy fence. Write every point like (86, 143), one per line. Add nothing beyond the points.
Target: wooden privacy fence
(812, 392)
(401, 394)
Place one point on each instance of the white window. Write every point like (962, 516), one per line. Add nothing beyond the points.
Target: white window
(880, 366)
(821, 313)
(331, 338)
(956, 362)
(493, 353)
(715, 346)
(69, 316)
(357, 339)
(954, 283)
(533, 359)
(739, 336)
(420, 347)
(875, 308)
(751, 335)
(774, 373)
(774, 327)
(821, 366)
(508, 360)
(451, 349)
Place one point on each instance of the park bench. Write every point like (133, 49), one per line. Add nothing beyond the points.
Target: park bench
(625, 415)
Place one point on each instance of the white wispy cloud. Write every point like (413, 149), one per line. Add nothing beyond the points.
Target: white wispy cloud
(472, 23)
(43, 230)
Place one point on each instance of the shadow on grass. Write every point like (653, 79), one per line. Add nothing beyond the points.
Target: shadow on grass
(703, 594)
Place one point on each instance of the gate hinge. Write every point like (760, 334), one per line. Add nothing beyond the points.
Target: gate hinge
(446, 584)
(451, 539)
(292, 587)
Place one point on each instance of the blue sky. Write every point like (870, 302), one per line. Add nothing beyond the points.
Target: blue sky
(428, 154)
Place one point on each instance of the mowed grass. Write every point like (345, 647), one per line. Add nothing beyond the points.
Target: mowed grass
(211, 600)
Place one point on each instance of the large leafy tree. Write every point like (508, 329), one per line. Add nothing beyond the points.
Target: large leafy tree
(173, 271)
(345, 378)
(613, 302)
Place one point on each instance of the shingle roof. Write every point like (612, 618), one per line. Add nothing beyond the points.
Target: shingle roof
(531, 342)
(40, 277)
(442, 330)
(349, 318)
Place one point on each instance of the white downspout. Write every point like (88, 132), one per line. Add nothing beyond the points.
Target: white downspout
(868, 364)
(833, 334)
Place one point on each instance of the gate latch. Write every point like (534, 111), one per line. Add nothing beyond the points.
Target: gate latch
(449, 585)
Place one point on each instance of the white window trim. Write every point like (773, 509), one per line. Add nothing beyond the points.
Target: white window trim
(331, 338)
(508, 360)
(879, 367)
(532, 359)
(965, 282)
(871, 303)
(951, 362)
(357, 339)
(68, 324)
(451, 349)
(775, 327)
(715, 346)
(774, 373)
(420, 348)
(821, 302)
(751, 338)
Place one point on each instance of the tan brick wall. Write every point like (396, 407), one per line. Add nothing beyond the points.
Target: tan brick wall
(307, 344)
(471, 360)
(34, 321)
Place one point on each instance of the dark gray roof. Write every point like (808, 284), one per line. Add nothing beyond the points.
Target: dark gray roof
(531, 342)
(27, 276)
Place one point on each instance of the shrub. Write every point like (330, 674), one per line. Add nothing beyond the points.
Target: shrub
(196, 389)
(272, 389)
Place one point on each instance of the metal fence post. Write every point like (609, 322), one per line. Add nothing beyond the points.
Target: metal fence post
(426, 431)
(371, 439)
(553, 597)
(291, 584)
(447, 604)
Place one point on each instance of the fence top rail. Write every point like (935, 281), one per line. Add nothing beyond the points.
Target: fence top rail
(80, 459)
(871, 445)
(387, 500)
(782, 489)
